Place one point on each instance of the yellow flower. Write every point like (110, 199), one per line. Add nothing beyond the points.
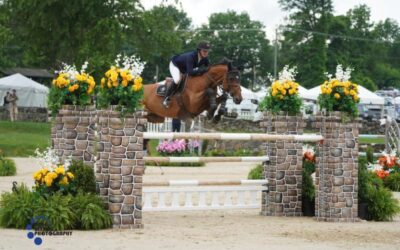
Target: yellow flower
(70, 175)
(337, 95)
(60, 170)
(138, 80)
(64, 181)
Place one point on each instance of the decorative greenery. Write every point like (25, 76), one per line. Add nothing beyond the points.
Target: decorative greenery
(51, 181)
(256, 173)
(122, 85)
(56, 210)
(85, 180)
(90, 212)
(283, 94)
(17, 208)
(308, 188)
(339, 94)
(382, 206)
(393, 182)
(370, 154)
(60, 212)
(71, 87)
(7, 166)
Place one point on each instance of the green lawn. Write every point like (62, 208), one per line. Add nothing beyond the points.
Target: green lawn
(22, 138)
(371, 140)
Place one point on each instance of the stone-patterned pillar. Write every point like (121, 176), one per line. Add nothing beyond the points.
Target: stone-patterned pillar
(337, 169)
(284, 169)
(120, 167)
(73, 133)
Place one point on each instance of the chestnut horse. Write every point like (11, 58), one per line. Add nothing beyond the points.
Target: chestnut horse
(199, 94)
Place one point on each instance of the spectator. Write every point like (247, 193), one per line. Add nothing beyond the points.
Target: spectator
(12, 105)
(5, 101)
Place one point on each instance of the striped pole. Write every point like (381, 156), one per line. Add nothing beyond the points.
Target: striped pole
(233, 136)
(206, 159)
(206, 183)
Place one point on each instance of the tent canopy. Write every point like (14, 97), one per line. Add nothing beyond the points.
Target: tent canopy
(366, 96)
(29, 92)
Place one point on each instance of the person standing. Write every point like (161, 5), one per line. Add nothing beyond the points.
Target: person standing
(12, 105)
(176, 125)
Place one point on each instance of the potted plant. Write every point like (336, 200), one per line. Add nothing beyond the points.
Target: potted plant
(122, 85)
(308, 188)
(283, 95)
(339, 93)
(71, 87)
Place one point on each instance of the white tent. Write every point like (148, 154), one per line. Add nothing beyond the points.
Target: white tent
(29, 92)
(366, 96)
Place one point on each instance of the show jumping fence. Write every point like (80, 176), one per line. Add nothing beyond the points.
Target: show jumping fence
(114, 146)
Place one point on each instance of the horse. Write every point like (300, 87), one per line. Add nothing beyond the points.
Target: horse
(197, 95)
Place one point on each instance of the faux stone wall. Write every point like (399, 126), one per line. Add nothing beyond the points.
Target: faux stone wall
(337, 170)
(73, 133)
(120, 166)
(32, 114)
(284, 170)
(114, 147)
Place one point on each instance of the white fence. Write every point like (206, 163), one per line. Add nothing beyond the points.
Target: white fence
(190, 195)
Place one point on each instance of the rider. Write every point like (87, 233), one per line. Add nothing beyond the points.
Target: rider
(193, 63)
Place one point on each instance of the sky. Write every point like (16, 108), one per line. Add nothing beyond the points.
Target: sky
(269, 13)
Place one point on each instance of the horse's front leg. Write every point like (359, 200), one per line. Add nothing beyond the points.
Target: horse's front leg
(213, 103)
(222, 108)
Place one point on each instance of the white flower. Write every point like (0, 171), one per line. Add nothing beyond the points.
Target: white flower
(340, 75)
(72, 71)
(287, 74)
(132, 64)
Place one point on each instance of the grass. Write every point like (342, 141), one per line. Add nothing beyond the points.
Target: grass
(20, 139)
(371, 140)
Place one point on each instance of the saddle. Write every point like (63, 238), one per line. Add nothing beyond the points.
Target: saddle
(162, 88)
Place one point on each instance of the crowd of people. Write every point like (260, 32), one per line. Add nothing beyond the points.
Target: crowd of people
(10, 103)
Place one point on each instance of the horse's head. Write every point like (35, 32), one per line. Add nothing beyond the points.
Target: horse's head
(232, 84)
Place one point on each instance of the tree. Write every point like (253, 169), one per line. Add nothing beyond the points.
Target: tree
(157, 36)
(69, 31)
(240, 39)
(304, 43)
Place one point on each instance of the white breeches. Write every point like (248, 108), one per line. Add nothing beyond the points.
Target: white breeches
(175, 73)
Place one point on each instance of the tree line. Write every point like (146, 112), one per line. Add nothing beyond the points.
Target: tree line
(45, 33)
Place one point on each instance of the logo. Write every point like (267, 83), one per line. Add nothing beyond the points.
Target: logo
(41, 226)
(31, 235)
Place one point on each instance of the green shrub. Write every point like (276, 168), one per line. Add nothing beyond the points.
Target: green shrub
(56, 211)
(256, 173)
(307, 188)
(393, 182)
(382, 206)
(309, 167)
(84, 177)
(370, 154)
(7, 167)
(17, 208)
(90, 211)
(363, 179)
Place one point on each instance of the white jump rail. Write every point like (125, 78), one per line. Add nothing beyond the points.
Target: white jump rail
(206, 159)
(196, 195)
(232, 136)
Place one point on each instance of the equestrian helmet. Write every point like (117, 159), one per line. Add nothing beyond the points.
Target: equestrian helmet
(205, 45)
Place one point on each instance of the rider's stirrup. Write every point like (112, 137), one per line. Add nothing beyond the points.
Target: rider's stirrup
(165, 103)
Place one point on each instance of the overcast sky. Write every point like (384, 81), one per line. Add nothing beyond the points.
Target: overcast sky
(269, 13)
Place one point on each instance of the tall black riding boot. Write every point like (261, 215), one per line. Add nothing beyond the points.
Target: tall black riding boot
(168, 93)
